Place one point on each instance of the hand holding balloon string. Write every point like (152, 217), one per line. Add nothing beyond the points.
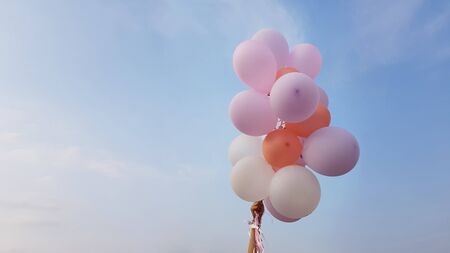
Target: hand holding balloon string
(255, 244)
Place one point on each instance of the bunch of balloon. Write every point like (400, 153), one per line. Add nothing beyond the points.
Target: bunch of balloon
(285, 124)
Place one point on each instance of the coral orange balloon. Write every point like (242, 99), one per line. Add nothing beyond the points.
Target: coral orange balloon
(281, 148)
(284, 71)
(320, 118)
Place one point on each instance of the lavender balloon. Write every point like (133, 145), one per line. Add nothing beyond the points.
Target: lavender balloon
(323, 97)
(331, 151)
(306, 59)
(251, 113)
(275, 213)
(277, 44)
(294, 97)
(255, 65)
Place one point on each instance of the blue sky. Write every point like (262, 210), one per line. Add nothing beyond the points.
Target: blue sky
(114, 125)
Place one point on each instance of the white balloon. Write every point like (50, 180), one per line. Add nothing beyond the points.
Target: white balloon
(250, 178)
(294, 191)
(244, 145)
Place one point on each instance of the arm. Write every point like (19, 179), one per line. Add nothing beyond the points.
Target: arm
(257, 211)
(251, 242)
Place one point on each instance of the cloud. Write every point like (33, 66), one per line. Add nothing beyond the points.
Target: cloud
(61, 183)
(435, 30)
(45, 158)
(111, 168)
(29, 214)
(392, 32)
(29, 209)
(383, 28)
(8, 138)
(27, 205)
(28, 220)
(25, 148)
(438, 22)
(223, 18)
(11, 119)
(33, 171)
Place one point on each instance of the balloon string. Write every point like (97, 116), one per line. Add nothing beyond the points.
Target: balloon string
(281, 124)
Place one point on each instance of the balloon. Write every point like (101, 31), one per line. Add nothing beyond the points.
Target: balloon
(320, 118)
(283, 71)
(302, 140)
(294, 192)
(275, 213)
(255, 65)
(251, 113)
(331, 151)
(300, 160)
(243, 146)
(306, 59)
(251, 177)
(277, 44)
(294, 97)
(281, 148)
(323, 97)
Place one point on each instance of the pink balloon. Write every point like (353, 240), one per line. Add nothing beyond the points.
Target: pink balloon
(251, 113)
(275, 213)
(323, 97)
(306, 59)
(277, 44)
(255, 65)
(294, 97)
(331, 151)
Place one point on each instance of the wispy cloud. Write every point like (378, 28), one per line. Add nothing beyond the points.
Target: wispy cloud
(438, 22)
(29, 212)
(111, 168)
(56, 179)
(224, 18)
(27, 205)
(435, 29)
(30, 156)
(8, 138)
(383, 28)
